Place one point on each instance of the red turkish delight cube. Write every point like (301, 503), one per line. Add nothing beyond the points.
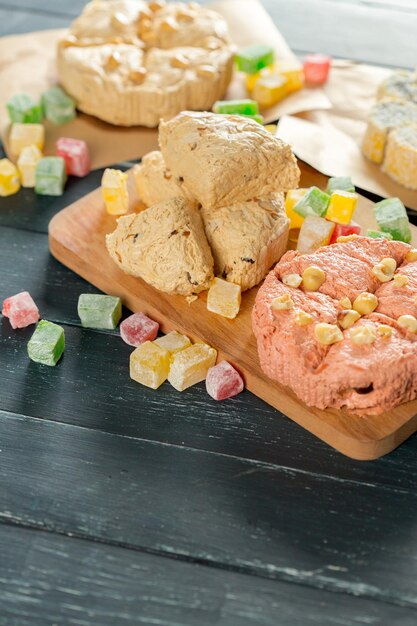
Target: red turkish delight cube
(75, 154)
(343, 230)
(138, 328)
(223, 381)
(21, 310)
(316, 69)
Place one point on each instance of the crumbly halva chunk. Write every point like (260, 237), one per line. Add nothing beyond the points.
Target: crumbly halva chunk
(154, 182)
(247, 238)
(224, 159)
(166, 246)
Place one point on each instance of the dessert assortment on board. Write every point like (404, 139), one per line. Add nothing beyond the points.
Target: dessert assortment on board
(390, 139)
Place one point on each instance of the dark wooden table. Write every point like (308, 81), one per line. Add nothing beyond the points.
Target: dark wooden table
(122, 506)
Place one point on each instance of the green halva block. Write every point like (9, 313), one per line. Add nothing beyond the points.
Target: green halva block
(239, 107)
(314, 202)
(254, 58)
(378, 234)
(47, 343)
(340, 183)
(50, 176)
(97, 311)
(392, 218)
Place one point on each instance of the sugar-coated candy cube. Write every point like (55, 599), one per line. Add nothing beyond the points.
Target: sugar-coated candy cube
(271, 128)
(47, 343)
(292, 71)
(22, 135)
(340, 183)
(341, 206)
(236, 107)
(392, 218)
(137, 329)
(313, 202)
(223, 381)
(50, 176)
(98, 311)
(23, 109)
(291, 199)
(343, 230)
(58, 107)
(270, 89)
(173, 342)
(314, 233)
(149, 365)
(21, 310)
(254, 58)
(190, 366)
(75, 154)
(27, 163)
(251, 81)
(316, 68)
(9, 178)
(223, 298)
(378, 234)
(114, 191)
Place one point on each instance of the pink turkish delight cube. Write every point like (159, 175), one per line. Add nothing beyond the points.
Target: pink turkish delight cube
(316, 68)
(21, 310)
(75, 154)
(223, 381)
(138, 328)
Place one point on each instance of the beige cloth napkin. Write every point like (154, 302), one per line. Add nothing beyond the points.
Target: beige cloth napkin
(27, 63)
(330, 140)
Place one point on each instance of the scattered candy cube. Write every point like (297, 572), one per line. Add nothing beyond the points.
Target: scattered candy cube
(271, 128)
(343, 230)
(251, 81)
(254, 58)
(23, 135)
(223, 381)
(270, 89)
(236, 107)
(9, 178)
(58, 107)
(340, 183)
(292, 71)
(314, 233)
(378, 234)
(190, 366)
(173, 342)
(137, 329)
(313, 202)
(392, 218)
(223, 298)
(114, 191)
(47, 343)
(27, 163)
(75, 154)
(149, 365)
(50, 176)
(23, 109)
(21, 310)
(97, 311)
(316, 69)
(341, 206)
(291, 199)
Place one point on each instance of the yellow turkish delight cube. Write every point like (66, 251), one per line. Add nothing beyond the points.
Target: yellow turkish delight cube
(173, 342)
(251, 81)
(270, 89)
(341, 207)
(23, 135)
(114, 191)
(292, 71)
(9, 178)
(291, 199)
(27, 162)
(190, 366)
(223, 298)
(149, 365)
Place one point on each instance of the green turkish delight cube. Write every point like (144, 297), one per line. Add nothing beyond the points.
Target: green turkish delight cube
(340, 183)
(392, 218)
(254, 58)
(98, 311)
(378, 234)
(47, 343)
(314, 202)
(50, 176)
(58, 107)
(236, 107)
(24, 110)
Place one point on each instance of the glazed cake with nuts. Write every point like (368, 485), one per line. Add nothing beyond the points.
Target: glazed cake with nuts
(131, 62)
(342, 339)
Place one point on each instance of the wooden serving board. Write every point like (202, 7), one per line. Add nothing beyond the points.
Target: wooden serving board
(76, 237)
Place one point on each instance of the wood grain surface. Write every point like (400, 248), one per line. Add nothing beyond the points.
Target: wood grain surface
(77, 239)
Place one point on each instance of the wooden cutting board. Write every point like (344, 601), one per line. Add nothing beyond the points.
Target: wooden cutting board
(76, 237)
